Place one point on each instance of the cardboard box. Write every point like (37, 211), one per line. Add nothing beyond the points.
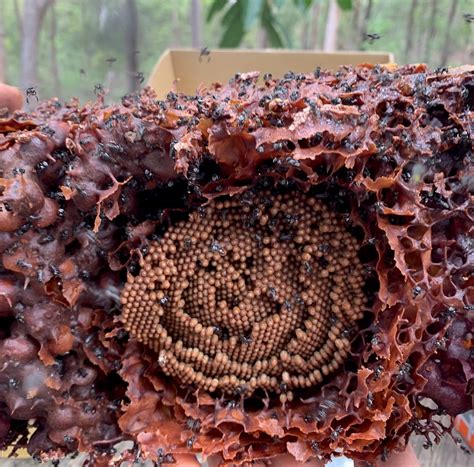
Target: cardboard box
(187, 69)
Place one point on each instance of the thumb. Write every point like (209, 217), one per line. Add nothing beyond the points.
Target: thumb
(11, 98)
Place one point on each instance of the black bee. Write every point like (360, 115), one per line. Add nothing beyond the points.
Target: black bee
(110, 60)
(140, 77)
(14, 383)
(245, 340)
(23, 264)
(205, 52)
(468, 17)
(416, 291)
(47, 130)
(314, 446)
(272, 293)
(193, 424)
(372, 37)
(31, 92)
(217, 248)
(98, 89)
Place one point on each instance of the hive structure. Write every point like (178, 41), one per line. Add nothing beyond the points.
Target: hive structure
(205, 225)
(247, 296)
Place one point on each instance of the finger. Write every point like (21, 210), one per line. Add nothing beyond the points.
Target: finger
(10, 98)
(406, 458)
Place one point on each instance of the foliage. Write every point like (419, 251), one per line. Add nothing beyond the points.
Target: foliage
(241, 16)
(345, 4)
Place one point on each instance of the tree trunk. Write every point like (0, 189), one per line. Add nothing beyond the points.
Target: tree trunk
(304, 37)
(19, 22)
(315, 11)
(332, 24)
(431, 31)
(356, 7)
(176, 29)
(131, 41)
(364, 24)
(410, 32)
(447, 37)
(196, 23)
(54, 52)
(262, 38)
(3, 58)
(33, 14)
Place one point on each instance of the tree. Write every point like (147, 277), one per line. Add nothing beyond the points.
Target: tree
(304, 33)
(447, 37)
(332, 25)
(176, 28)
(409, 33)
(3, 58)
(131, 36)
(362, 27)
(53, 51)
(314, 30)
(262, 39)
(355, 23)
(431, 31)
(196, 23)
(309, 31)
(33, 15)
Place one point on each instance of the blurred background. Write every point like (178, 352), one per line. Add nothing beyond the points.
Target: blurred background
(65, 48)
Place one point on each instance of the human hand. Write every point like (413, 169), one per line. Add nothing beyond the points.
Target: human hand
(11, 99)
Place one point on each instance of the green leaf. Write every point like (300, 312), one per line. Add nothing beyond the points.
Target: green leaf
(233, 14)
(268, 21)
(277, 3)
(253, 11)
(233, 35)
(345, 4)
(273, 35)
(302, 5)
(216, 6)
(234, 20)
(284, 34)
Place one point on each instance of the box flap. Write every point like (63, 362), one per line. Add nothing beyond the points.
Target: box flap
(186, 69)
